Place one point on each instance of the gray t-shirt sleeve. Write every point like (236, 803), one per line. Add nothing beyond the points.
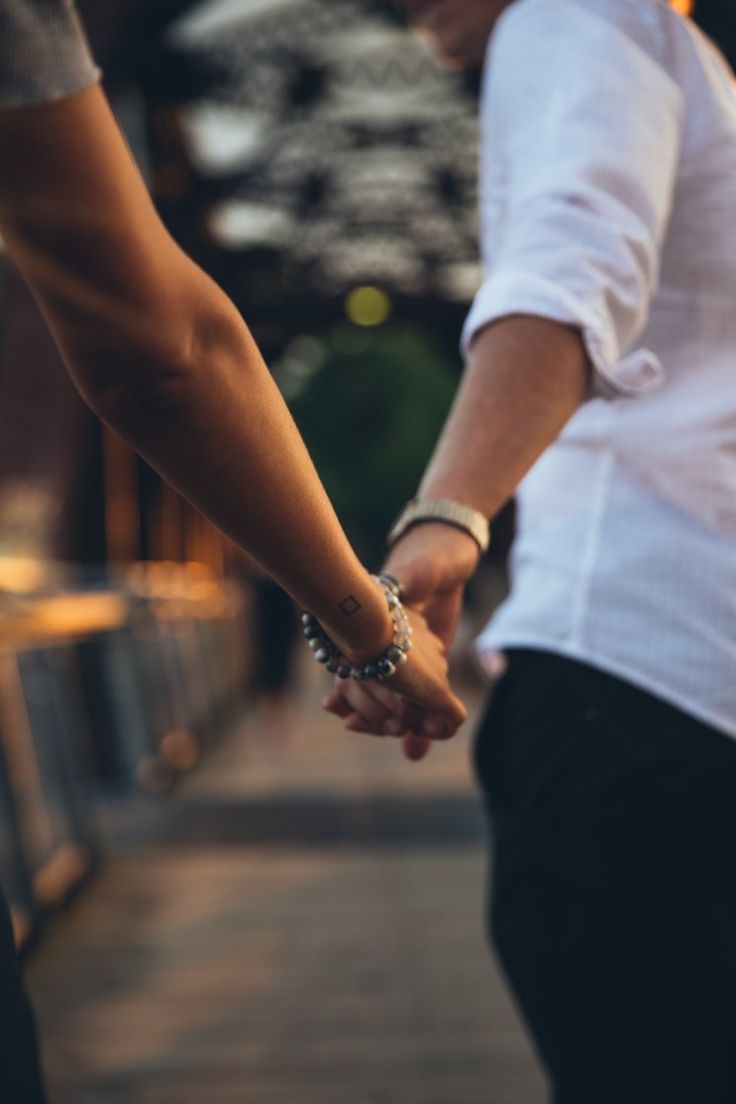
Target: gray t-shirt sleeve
(44, 54)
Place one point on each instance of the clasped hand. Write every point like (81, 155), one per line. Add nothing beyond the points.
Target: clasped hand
(417, 705)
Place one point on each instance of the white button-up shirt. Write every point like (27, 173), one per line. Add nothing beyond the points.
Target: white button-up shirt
(608, 185)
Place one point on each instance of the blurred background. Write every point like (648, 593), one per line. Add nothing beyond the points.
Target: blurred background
(311, 156)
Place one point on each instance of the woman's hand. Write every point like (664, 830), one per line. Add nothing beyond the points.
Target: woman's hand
(433, 561)
(416, 703)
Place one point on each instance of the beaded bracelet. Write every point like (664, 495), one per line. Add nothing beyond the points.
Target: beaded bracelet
(326, 651)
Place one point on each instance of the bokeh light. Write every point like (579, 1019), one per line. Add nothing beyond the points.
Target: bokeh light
(367, 306)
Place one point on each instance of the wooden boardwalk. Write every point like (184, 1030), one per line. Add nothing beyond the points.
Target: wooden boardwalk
(300, 924)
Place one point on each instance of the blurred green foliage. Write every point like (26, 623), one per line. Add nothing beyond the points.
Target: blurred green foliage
(370, 404)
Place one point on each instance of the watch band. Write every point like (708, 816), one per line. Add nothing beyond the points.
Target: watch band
(446, 510)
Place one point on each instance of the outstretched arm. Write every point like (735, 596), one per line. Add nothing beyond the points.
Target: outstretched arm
(525, 378)
(161, 354)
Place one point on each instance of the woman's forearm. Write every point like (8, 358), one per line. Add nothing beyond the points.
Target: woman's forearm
(246, 467)
(159, 351)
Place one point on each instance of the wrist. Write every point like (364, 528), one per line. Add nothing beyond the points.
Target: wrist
(368, 633)
(450, 512)
(349, 659)
(435, 556)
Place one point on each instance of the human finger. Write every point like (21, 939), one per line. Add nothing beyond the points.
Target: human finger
(415, 747)
(365, 703)
(336, 703)
(402, 716)
(356, 723)
(376, 702)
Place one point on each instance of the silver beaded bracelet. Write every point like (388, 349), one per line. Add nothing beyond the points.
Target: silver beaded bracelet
(326, 651)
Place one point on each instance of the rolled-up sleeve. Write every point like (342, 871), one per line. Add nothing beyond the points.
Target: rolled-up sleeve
(582, 132)
(44, 53)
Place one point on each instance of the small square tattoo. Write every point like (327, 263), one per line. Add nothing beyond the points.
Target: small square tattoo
(349, 605)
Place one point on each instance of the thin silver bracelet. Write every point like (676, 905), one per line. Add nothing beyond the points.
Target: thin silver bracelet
(326, 651)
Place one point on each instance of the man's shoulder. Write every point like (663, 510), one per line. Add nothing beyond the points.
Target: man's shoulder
(582, 53)
(595, 34)
(642, 22)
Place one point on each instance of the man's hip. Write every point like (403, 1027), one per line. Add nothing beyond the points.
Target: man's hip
(613, 900)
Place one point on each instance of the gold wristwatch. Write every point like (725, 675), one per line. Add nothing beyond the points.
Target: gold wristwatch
(446, 510)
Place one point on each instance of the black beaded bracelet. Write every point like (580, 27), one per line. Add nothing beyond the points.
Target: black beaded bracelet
(326, 651)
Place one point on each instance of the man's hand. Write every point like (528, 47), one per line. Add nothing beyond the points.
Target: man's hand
(432, 561)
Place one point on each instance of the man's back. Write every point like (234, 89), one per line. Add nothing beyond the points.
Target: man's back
(626, 553)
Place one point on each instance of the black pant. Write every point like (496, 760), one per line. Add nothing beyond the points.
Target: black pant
(20, 1077)
(613, 901)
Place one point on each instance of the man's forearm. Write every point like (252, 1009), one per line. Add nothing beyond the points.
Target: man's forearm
(525, 378)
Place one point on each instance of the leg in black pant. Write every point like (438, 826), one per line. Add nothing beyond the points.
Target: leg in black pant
(20, 1076)
(613, 905)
